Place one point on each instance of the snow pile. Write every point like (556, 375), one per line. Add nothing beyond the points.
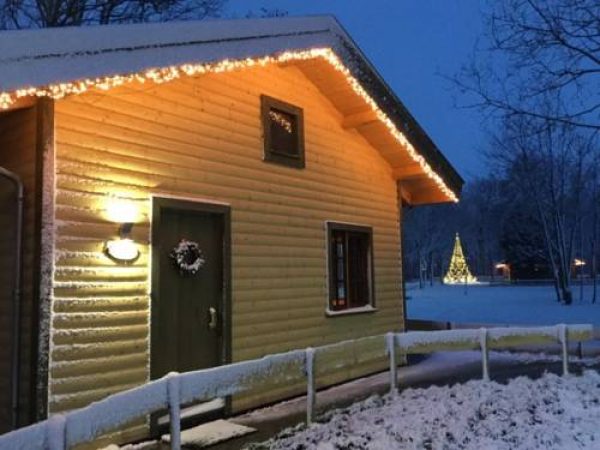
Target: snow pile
(548, 413)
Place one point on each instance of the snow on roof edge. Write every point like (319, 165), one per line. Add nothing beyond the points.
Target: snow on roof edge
(36, 58)
(17, 43)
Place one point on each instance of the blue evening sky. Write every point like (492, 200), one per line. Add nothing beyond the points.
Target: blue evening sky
(412, 43)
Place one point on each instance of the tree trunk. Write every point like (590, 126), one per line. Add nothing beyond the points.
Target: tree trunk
(593, 262)
(564, 262)
(557, 289)
(431, 269)
(551, 258)
(567, 295)
(420, 271)
(593, 268)
(581, 256)
(594, 285)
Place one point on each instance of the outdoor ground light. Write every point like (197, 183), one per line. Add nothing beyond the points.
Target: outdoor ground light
(123, 249)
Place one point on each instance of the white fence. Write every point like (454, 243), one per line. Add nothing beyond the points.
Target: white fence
(63, 431)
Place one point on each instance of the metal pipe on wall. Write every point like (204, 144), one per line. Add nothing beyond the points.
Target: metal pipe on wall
(16, 328)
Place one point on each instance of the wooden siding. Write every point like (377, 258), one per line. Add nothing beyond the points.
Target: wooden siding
(18, 154)
(202, 138)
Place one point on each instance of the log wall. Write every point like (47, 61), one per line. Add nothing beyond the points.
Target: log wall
(202, 138)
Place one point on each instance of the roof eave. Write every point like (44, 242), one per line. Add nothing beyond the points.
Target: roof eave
(270, 38)
(392, 106)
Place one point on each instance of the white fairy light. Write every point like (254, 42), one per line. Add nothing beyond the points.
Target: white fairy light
(170, 73)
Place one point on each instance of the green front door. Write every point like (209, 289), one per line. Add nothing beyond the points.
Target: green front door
(189, 320)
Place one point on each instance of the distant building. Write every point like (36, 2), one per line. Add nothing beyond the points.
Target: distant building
(532, 269)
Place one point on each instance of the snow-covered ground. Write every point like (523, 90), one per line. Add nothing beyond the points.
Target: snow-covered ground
(548, 413)
(530, 305)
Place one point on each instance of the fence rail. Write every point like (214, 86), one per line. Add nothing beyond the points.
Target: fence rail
(63, 431)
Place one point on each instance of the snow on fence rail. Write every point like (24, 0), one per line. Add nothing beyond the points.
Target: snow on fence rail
(63, 431)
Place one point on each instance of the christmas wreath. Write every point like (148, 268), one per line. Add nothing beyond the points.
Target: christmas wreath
(188, 257)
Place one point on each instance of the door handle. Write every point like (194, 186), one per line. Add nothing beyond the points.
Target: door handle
(212, 322)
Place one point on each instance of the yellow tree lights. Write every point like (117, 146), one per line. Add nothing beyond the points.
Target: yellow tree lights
(458, 272)
(165, 74)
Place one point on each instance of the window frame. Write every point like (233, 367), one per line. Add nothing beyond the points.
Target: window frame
(267, 103)
(370, 306)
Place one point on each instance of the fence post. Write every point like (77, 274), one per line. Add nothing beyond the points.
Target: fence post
(483, 343)
(564, 342)
(173, 398)
(310, 385)
(56, 432)
(391, 350)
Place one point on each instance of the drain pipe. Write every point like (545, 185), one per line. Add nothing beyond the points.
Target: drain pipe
(16, 328)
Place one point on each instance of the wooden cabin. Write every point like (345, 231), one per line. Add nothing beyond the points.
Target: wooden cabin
(196, 194)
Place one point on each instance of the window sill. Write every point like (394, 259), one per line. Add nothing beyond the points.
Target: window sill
(348, 312)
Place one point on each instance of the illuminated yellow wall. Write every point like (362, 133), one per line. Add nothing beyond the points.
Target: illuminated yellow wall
(201, 137)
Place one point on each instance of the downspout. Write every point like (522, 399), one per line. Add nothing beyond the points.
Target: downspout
(400, 200)
(16, 328)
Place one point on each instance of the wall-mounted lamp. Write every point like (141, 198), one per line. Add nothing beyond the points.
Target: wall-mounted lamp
(120, 208)
(123, 249)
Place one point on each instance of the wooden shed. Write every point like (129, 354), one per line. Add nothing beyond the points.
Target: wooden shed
(196, 194)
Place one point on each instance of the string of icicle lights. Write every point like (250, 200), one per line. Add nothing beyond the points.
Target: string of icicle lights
(165, 74)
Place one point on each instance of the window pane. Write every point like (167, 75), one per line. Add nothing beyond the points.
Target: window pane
(358, 269)
(341, 294)
(349, 269)
(338, 269)
(283, 133)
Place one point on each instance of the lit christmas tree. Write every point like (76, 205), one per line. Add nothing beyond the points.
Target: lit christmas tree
(458, 272)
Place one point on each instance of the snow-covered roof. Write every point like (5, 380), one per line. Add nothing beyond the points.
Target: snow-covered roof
(38, 58)
(50, 56)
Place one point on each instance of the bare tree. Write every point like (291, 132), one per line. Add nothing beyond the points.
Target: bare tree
(535, 49)
(549, 164)
(483, 209)
(18, 14)
(427, 237)
(429, 231)
(591, 227)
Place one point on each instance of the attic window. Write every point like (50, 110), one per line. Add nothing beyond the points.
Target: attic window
(283, 127)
